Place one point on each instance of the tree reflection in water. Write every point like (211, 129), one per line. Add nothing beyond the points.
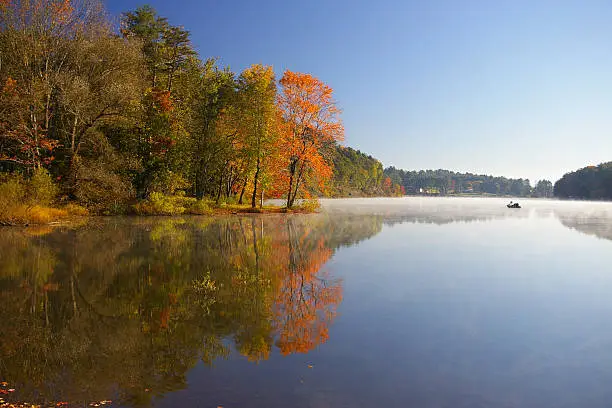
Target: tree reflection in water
(127, 307)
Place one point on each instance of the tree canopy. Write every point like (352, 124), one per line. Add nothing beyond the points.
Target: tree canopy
(592, 182)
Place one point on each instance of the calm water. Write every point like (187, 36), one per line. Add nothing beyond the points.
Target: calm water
(372, 303)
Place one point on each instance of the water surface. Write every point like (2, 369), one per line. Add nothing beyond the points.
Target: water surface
(415, 302)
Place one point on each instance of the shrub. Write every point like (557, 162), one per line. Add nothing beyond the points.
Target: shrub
(27, 201)
(231, 200)
(309, 205)
(12, 196)
(44, 215)
(160, 204)
(77, 210)
(41, 190)
(169, 183)
(100, 189)
(199, 207)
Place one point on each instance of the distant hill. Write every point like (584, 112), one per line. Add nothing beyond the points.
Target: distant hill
(592, 182)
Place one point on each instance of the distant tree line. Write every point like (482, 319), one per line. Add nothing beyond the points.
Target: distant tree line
(592, 182)
(445, 182)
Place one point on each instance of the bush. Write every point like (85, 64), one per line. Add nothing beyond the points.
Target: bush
(157, 204)
(169, 183)
(101, 190)
(309, 205)
(26, 201)
(44, 215)
(160, 204)
(199, 207)
(41, 190)
(76, 210)
(12, 196)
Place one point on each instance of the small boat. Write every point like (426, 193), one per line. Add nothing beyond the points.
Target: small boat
(513, 205)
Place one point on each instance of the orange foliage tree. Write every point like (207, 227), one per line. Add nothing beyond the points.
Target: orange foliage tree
(312, 125)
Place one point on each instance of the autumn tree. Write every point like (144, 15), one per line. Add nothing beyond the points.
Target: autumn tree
(313, 127)
(256, 118)
(23, 141)
(69, 75)
(35, 41)
(387, 186)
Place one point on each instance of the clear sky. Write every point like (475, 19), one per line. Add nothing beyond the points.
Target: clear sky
(519, 88)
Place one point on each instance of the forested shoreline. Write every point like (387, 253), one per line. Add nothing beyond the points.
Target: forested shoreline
(131, 119)
(446, 182)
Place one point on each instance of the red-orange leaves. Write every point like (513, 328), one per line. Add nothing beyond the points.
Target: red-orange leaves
(62, 10)
(162, 100)
(10, 86)
(312, 126)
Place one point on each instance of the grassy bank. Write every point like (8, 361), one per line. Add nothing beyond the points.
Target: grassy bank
(33, 200)
(159, 204)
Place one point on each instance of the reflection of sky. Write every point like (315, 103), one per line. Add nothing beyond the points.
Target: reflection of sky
(509, 311)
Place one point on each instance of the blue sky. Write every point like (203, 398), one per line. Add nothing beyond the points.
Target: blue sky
(520, 88)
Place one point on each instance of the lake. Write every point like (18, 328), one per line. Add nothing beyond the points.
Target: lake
(411, 302)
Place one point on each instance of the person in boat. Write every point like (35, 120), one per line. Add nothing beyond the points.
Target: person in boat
(513, 205)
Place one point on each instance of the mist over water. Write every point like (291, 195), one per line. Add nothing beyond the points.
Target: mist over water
(408, 302)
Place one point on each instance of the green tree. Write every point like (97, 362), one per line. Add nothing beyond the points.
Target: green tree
(543, 188)
(257, 119)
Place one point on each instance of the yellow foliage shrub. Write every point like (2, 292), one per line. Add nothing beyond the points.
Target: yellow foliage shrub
(44, 215)
(76, 210)
(199, 207)
(160, 204)
(309, 205)
(27, 201)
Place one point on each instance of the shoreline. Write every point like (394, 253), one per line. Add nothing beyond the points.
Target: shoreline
(70, 219)
(222, 211)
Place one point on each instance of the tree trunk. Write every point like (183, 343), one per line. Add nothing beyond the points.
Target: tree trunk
(242, 191)
(297, 183)
(219, 190)
(256, 179)
(292, 170)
